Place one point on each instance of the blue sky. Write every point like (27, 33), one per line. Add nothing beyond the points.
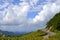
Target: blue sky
(26, 15)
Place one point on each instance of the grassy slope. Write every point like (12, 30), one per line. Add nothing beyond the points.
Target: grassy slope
(31, 36)
(34, 35)
(38, 35)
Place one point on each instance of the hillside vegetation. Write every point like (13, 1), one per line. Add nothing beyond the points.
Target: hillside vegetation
(54, 23)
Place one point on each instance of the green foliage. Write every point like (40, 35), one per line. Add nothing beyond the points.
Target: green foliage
(54, 22)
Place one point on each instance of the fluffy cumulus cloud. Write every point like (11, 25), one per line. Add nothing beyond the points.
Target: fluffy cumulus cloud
(49, 10)
(14, 17)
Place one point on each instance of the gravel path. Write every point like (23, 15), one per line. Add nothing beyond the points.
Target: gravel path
(49, 33)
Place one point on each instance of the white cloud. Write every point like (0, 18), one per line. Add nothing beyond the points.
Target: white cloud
(4, 5)
(48, 10)
(16, 13)
(58, 2)
(15, 16)
(33, 2)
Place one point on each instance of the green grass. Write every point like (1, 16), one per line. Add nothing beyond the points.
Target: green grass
(31, 36)
(34, 35)
(55, 37)
(38, 35)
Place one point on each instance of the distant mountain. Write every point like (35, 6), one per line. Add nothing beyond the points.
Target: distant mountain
(7, 33)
